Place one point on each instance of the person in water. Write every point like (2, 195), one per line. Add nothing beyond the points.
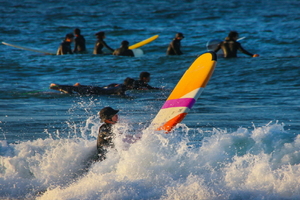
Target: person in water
(123, 50)
(100, 44)
(65, 46)
(142, 83)
(175, 45)
(105, 138)
(113, 88)
(79, 42)
(230, 46)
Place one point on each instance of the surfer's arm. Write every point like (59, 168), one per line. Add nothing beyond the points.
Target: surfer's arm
(218, 48)
(59, 50)
(108, 47)
(240, 48)
(75, 47)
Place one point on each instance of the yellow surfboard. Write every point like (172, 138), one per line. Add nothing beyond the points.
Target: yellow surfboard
(142, 43)
(185, 93)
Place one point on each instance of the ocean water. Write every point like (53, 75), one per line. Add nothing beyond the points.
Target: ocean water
(240, 140)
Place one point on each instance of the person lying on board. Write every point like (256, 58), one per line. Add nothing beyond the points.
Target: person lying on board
(79, 42)
(174, 46)
(118, 89)
(230, 46)
(65, 46)
(123, 50)
(142, 83)
(100, 44)
(114, 88)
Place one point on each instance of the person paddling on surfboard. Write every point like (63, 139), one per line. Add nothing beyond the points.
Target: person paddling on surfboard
(174, 46)
(123, 50)
(142, 83)
(65, 46)
(79, 42)
(100, 44)
(230, 46)
(109, 116)
(111, 89)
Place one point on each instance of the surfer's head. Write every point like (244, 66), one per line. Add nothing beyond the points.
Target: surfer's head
(100, 34)
(179, 35)
(69, 37)
(124, 43)
(107, 114)
(77, 31)
(145, 76)
(233, 35)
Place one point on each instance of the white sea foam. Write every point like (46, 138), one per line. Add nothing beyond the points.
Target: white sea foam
(262, 163)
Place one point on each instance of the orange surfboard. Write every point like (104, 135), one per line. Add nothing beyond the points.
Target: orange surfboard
(185, 93)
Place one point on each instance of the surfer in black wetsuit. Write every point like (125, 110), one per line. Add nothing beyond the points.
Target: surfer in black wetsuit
(65, 46)
(79, 42)
(109, 116)
(142, 83)
(230, 46)
(100, 44)
(174, 46)
(114, 88)
(123, 50)
(111, 89)
(117, 89)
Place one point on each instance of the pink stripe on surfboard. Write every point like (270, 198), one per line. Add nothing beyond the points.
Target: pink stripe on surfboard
(184, 102)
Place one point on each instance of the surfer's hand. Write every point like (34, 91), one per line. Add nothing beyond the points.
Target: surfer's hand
(255, 55)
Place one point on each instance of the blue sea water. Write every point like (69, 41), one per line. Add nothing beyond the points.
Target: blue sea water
(240, 141)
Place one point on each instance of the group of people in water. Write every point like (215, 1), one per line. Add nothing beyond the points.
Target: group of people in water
(108, 116)
(80, 47)
(230, 45)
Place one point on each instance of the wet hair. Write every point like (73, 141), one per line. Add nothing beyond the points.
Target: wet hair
(179, 35)
(233, 34)
(77, 31)
(69, 35)
(124, 43)
(100, 34)
(144, 75)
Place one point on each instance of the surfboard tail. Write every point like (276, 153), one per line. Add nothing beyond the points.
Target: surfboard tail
(167, 127)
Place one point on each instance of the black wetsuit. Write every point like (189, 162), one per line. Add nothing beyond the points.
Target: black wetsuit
(123, 51)
(174, 47)
(64, 48)
(230, 48)
(99, 46)
(139, 84)
(118, 89)
(104, 140)
(79, 44)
